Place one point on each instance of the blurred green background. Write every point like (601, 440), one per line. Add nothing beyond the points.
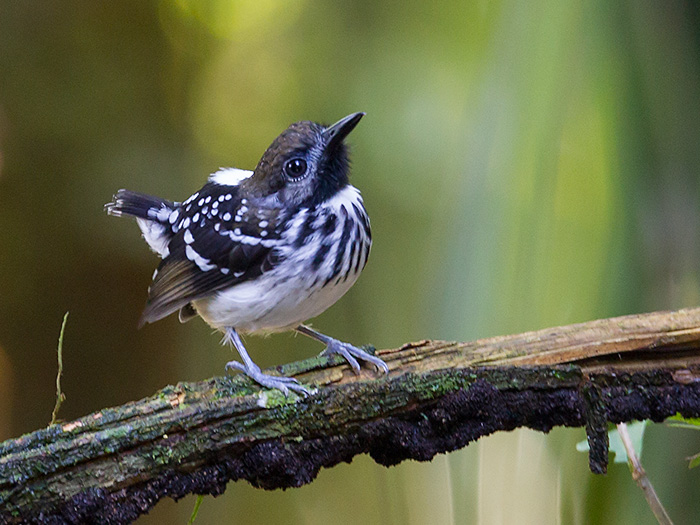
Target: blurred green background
(525, 164)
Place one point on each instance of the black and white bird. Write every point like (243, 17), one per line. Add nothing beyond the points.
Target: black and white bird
(262, 251)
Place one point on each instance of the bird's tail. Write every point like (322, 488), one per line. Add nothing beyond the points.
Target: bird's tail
(141, 206)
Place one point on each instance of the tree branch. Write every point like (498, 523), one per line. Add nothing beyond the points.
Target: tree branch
(115, 464)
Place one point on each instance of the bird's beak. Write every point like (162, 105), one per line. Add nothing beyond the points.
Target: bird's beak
(337, 132)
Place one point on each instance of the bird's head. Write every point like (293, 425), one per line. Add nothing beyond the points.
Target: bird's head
(305, 165)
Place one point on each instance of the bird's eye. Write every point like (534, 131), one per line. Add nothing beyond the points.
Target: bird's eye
(295, 168)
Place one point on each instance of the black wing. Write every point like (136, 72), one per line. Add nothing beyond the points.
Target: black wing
(212, 250)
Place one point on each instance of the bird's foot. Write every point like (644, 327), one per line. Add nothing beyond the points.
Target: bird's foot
(352, 354)
(281, 383)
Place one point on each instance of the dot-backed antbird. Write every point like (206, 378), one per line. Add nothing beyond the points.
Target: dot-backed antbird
(262, 251)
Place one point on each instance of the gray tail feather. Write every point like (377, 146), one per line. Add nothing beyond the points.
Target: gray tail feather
(139, 205)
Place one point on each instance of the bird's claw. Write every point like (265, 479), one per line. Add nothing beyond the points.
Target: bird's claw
(352, 354)
(281, 383)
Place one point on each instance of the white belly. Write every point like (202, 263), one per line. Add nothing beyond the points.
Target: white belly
(269, 304)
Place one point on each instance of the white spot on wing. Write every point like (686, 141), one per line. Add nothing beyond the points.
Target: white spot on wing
(202, 262)
(249, 239)
(161, 214)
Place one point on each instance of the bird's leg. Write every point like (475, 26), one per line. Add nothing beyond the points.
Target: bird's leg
(349, 352)
(284, 384)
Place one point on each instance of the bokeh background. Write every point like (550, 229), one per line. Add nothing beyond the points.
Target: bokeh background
(525, 164)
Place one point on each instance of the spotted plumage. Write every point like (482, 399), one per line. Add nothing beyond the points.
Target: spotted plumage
(261, 251)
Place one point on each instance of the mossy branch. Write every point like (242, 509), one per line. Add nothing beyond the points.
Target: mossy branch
(115, 464)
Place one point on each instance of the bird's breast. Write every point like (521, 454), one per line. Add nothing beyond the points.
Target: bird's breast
(321, 254)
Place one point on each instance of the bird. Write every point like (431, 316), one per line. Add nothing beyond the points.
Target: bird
(262, 251)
